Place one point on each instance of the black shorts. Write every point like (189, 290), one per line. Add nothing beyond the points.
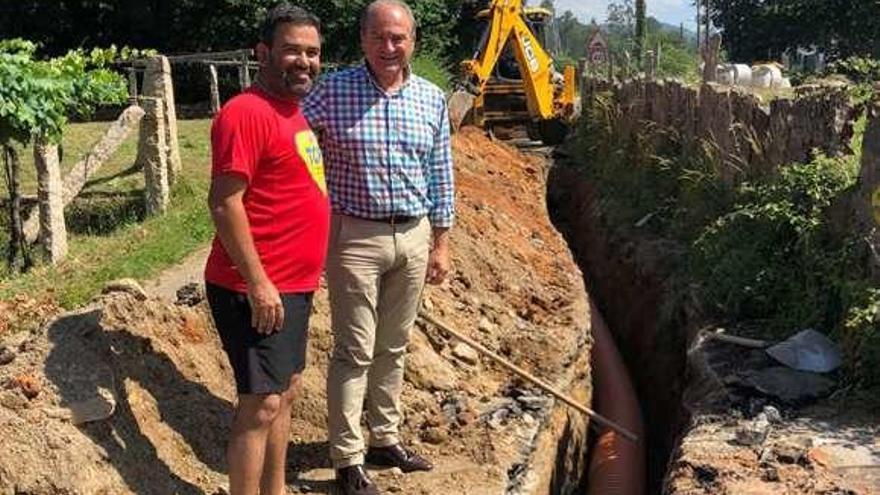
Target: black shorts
(262, 363)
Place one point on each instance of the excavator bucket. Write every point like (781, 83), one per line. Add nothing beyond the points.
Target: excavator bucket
(461, 104)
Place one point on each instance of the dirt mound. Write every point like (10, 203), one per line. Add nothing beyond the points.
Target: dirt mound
(152, 379)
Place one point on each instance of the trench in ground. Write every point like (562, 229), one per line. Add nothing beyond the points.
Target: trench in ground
(653, 345)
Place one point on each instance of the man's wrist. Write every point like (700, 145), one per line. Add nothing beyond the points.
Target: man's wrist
(440, 237)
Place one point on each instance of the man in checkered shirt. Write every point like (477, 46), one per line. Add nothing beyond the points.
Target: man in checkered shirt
(384, 133)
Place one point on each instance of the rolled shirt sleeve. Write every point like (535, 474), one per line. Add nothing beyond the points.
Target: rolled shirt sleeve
(441, 190)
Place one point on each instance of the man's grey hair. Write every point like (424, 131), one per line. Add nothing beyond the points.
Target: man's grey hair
(367, 14)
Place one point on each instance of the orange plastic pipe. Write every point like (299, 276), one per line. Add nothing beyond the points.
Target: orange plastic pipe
(617, 465)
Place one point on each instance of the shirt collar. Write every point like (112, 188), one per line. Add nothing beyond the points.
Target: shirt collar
(407, 79)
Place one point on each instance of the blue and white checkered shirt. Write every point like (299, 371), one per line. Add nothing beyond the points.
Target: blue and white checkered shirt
(385, 153)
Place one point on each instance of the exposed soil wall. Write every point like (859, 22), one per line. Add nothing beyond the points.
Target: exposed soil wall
(153, 382)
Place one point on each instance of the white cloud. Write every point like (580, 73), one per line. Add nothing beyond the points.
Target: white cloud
(668, 11)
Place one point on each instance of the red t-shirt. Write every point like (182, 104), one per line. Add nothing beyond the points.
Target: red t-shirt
(269, 143)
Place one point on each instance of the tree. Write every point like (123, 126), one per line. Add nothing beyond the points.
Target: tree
(621, 17)
(640, 31)
(207, 26)
(36, 97)
(762, 29)
(573, 35)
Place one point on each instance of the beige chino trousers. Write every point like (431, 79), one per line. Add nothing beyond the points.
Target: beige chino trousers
(375, 276)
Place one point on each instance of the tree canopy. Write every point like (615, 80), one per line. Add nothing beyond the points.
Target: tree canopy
(179, 26)
(764, 29)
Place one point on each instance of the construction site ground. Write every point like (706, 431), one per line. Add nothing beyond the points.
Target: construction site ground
(133, 394)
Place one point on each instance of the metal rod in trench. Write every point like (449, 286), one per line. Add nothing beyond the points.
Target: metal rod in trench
(529, 377)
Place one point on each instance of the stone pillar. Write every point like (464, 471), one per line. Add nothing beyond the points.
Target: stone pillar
(132, 86)
(215, 89)
(50, 194)
(244, 77)
(84, 169)
(158, 84)
(151, 149)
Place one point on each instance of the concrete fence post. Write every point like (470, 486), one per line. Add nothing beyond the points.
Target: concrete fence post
(50, 195)
(151, 147)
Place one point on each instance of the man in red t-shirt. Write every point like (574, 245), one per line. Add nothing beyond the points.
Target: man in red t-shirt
(269, 205)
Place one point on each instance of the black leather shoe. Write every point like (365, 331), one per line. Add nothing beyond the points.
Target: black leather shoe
(398, 456)
(353, 480)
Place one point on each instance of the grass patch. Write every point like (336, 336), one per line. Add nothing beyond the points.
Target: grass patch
(106, 235)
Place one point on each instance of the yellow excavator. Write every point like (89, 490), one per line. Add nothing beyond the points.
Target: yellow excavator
(511, 84)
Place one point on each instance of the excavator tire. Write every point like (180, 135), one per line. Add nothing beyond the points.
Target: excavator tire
(553, 131)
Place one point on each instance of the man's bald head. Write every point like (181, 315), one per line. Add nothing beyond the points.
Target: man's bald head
(376, 5)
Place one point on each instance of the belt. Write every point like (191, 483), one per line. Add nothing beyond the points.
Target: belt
(393, 219)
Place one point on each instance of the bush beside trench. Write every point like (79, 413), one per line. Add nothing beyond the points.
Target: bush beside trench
(766, 255)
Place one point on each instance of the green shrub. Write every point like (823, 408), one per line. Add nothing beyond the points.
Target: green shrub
(863, 72)
(431, 67)
(861, 335)
(763, 254)
(772, 257)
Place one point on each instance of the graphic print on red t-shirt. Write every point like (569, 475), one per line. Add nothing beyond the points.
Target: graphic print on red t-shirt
(269, 144)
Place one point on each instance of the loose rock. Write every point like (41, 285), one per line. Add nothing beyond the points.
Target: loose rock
(426, 369)
(466, 353)
(6, 356)
(127, 285)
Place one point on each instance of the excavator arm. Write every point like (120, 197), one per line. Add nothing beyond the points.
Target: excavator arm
(537, 100)
(508, 22)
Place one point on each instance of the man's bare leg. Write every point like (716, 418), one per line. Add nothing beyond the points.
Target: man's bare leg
(254, 417)
(275, 462)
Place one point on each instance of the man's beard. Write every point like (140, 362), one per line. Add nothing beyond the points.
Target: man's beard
(299, 89)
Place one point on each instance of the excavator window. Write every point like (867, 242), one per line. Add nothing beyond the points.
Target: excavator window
(507, 68)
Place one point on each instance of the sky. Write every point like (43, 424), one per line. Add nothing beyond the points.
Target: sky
(669, 11)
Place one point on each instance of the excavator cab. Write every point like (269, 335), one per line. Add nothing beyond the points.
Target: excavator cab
(516, 91)
(537, 19)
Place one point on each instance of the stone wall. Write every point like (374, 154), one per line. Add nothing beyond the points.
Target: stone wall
(744, 132)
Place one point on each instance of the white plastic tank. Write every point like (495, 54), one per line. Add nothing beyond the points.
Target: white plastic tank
(734, 74)
(724, 74)
(767, 76)
(742, 74)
